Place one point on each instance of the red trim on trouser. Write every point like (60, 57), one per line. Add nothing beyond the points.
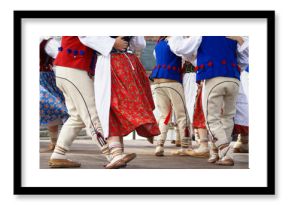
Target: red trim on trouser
(166, 121)
(198, 117)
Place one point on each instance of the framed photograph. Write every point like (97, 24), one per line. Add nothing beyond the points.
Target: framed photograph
(169, 170)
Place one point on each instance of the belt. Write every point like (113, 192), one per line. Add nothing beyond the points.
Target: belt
(120, 52)
(189, 69)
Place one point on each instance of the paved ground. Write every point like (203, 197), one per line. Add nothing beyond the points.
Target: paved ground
(85, 152)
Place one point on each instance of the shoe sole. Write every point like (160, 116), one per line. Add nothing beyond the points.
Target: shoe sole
(63, 165)
(239, 150)
(225, 162)
(199, 155)
(159, 154)
(213, 160)
(116, 165)
(129, 157)
(179, 154)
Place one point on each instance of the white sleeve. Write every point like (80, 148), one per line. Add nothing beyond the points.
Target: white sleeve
(51, 47)
(137, 43)
(185, 47)
(245, 46)
(243, 54)
(102, 44)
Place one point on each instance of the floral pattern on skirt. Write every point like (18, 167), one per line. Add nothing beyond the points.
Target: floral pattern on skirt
(52, 106)
(132, 103)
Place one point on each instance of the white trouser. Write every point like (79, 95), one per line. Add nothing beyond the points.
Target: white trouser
(78, 90)
(171, 95)
(219, 105)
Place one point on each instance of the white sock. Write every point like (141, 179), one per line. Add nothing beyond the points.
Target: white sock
(116, 158)
(58, 153)
(106, 151)
(116, 151)
(203, 147)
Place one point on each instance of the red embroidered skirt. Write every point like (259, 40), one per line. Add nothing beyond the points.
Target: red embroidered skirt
(198, 116)
(132, 103)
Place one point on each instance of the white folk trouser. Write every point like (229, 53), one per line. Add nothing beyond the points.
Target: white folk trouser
(219, 105)
(78, 91)
(171, 95)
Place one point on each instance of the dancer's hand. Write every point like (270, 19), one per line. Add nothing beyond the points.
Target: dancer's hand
(120, 44)
(239, 39)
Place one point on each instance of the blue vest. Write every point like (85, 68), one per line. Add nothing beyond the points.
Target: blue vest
(168, 65)
(216, 57)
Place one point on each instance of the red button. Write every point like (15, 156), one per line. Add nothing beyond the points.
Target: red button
(168, 67)
(201, 66)
(210, 63)
(163, 66)
(174, 67)
(224, 62)
(234, 65)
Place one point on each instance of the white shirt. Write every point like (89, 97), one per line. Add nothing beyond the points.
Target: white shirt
(183, 47)
(102, 44)
(52, 45)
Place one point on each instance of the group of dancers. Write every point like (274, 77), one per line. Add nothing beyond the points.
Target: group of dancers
(98, 83)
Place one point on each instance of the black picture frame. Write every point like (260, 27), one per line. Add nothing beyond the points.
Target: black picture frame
(19, 189)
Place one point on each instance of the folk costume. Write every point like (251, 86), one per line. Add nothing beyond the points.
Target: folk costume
(193, 96)
(53, 111)
(123, 95)
(167, 75)
(173, 134)
(217, 66)
(74, 67)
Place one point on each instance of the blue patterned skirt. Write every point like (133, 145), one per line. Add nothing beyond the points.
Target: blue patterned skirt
(52, 104)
